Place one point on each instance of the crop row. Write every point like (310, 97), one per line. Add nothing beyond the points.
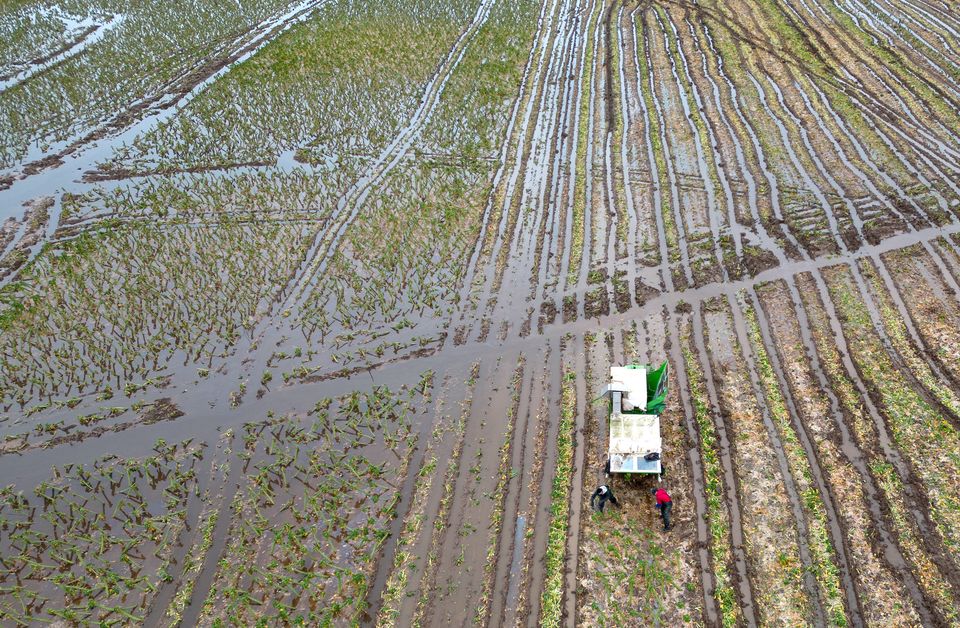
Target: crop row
(153, 47)
(105, 541)
(341, 83)
(109, 311)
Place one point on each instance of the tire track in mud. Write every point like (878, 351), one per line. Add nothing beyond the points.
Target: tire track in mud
(612, 217)
(386, 555)
(455, 492)
(211, 560)
(809, 186)
(561, 127)
(859, 226)
(854, 50)
(87, 38)
(408, 567)
(918, 492)
(864, 157)
(833, 445)
(847, 41)
(908, 198)
(839, 80)
(856, 87)
(586, 260)
(53, 172)
(547, 456)
(191, 533)
(912, 42)
(532, 171)
(502, 585)
(439, 509)
(669, 298)
(348, 206)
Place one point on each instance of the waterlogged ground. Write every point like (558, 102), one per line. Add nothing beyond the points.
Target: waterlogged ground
(304, 307)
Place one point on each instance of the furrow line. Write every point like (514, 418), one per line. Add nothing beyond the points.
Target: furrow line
(837, 539)
(465, 526)
(586, 261)
(519, 405)
(534, 567)
(572, 567)
(520, 511)
(758, 150)
(666, 276)
(665, 158)
(574, 223)
(438, 520)
(626, 120)
(743, 340)
(674, 53)
(716, 168)
(551, 271)
(508, 145)
(888, 447)
(516, 186)
(503, 191)
(811, 187)
(538, 200)
(731, 488)
(858, 224)
(696, 457)
(843, 32)
(745, 170)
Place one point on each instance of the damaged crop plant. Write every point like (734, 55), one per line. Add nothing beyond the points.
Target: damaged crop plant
(304, 305)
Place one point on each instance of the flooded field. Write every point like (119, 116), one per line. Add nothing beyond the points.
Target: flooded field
(305, 307)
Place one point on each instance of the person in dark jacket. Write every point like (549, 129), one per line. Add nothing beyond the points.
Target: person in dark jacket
(664, 505)
(606, 495)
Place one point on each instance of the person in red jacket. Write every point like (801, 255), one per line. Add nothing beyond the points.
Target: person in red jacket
(664, 505)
